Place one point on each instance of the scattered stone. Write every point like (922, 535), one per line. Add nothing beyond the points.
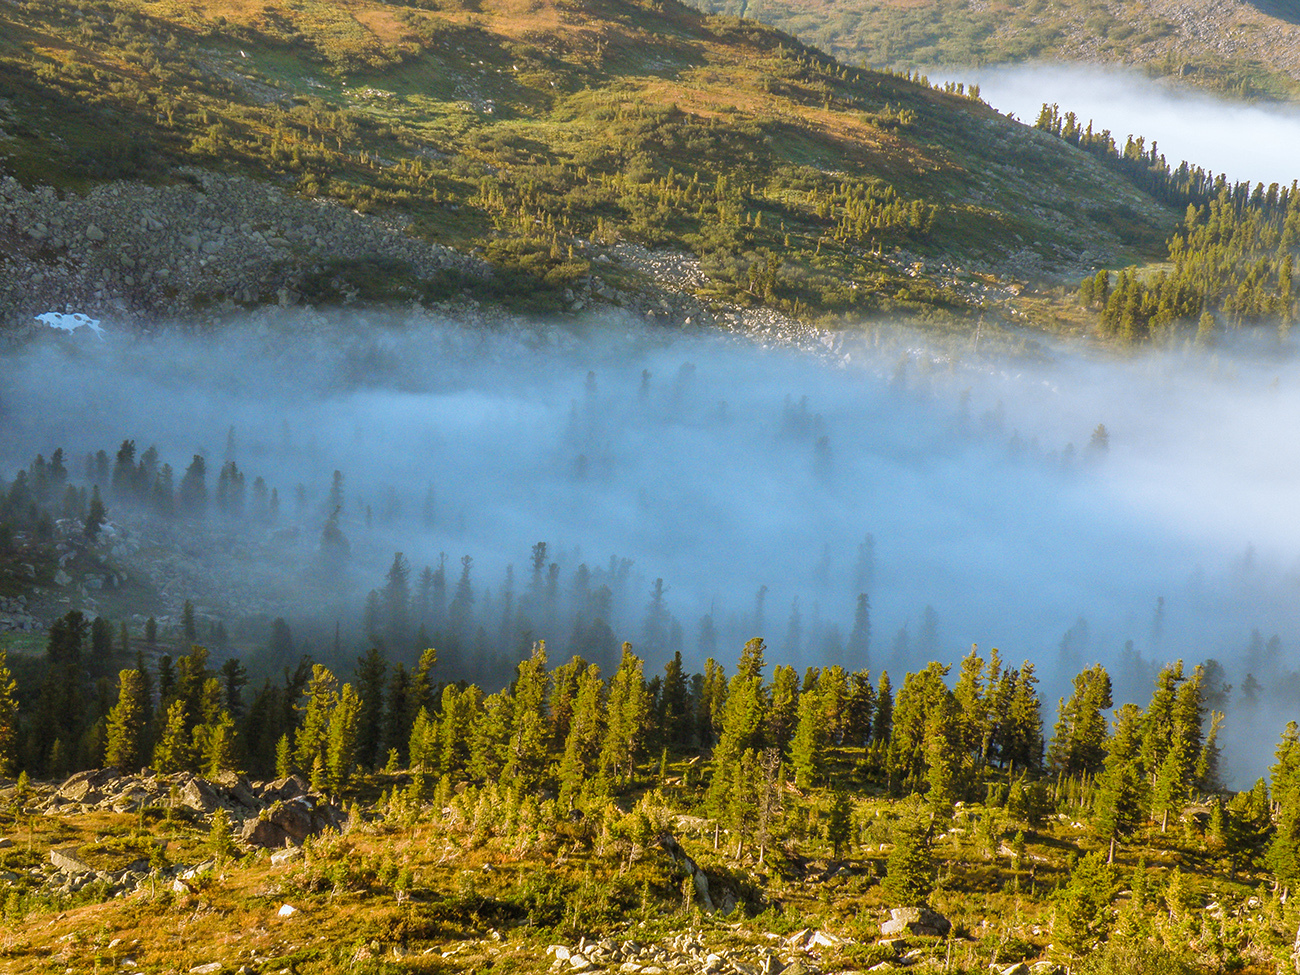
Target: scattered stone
(211, 968)
(286, 910)
(67, 861)
(915, 920)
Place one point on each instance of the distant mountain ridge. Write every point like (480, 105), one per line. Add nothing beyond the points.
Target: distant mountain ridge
(1233, 47)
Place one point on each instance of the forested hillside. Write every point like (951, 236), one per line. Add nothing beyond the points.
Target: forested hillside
(1239, 48)
(796, 181)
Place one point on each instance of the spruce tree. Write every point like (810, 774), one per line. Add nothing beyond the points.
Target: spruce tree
(586, 733)
(742, 726)
(909, 870)
(626, 712)
(340, 759)
(172, 753)
(808, 749)
(8, 718)
(126, 723)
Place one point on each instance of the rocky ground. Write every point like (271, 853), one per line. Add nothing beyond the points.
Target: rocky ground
(213, 246)
(137, 254)
(277, 815)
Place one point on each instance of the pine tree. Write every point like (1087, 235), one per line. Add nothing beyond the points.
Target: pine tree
(972, 705)
(312, 738)
(1078, 744)
(172, 753)
(626, 710)
(742, 726)
(220, 842)
(126, 723)
(344, 724)
(460, 710)
(1283, 857)
(1117, 808)
(882, 724)
(923, 694)
(909, 870)
(217, 744)
(784, 712)
(529, 735)
(1082, 915)
(8, 718)
(839, 822)
(96, 516)
(586, 733)
(808, 749)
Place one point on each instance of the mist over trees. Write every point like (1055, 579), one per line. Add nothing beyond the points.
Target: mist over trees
(866, 510)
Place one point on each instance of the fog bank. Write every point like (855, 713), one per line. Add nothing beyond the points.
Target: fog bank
(766, 488)
(1246, 141)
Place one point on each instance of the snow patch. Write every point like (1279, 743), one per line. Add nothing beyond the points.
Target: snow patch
(70, 323)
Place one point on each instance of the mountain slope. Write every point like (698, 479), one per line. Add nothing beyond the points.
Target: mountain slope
(531, 130)
(1237, 47)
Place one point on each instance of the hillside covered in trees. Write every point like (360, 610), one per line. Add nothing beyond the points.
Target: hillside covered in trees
(538, 138)
(618, 804)
(1241, 49)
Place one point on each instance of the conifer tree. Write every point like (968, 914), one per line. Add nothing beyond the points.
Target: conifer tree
(344, 724)
(126, 723)
(460, 710)
(312, 738)
(8, 718)
(677, 731)
(882, 724)
(529, 733)
(783, 715)
(172, 752)
(742, 726)
(972, 705)
(1078, 744)
(217, 744)
(909, 870)
(626, 711)
(923, 693)
(808, 749)
(96, 516)
(1082, 915)
(586, 734)
(370, 672)
(491, 736)
(1283, 857)
(839, 822)
(1120, 786)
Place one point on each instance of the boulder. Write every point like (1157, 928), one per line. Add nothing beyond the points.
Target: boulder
(200, 796)
(915, 920)
(289, 822)
(67, 861)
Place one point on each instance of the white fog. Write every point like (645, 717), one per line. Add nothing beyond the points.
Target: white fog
(978, 483)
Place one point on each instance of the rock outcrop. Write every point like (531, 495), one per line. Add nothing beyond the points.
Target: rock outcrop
(271, 813)
(915, 920)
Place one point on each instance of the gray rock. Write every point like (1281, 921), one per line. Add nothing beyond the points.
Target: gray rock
(94, 233)
(915, 920)
(67, 861)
